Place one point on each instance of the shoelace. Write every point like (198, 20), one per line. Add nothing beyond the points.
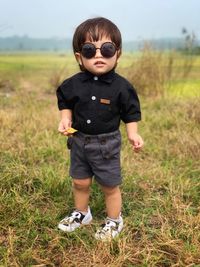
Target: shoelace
(106, 227)
(73, 218)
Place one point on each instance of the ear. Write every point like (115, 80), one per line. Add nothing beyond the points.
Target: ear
(118, 54)
(78, 58)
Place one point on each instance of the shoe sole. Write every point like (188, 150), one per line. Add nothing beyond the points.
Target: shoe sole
(63, 228)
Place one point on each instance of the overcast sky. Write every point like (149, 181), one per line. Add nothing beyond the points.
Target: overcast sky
(137, 19)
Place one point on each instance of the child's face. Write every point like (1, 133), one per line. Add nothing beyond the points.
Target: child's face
(98, 64)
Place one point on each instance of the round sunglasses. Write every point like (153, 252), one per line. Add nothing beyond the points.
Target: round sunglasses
(107, 49)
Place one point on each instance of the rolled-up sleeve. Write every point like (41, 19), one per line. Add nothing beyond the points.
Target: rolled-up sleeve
(130, 105)
(65, 95)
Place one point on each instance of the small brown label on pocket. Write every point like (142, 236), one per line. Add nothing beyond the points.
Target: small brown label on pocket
(105, 101)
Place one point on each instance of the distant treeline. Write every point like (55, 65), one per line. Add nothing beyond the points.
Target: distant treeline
(25, 43)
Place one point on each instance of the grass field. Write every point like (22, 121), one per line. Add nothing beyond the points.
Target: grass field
(161, 188)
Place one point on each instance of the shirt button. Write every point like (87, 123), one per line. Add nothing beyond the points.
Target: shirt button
(93, 97)
(88, 121)
(96, 78)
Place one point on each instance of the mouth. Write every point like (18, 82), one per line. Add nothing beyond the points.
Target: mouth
(99, 63)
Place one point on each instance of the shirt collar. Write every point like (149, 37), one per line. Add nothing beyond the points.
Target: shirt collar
(107, 77)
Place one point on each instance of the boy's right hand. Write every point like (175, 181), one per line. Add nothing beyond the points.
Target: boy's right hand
(64, 125)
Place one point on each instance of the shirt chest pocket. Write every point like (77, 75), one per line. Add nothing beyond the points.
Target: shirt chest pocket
(107, 109)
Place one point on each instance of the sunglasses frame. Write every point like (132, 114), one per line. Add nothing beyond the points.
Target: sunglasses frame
(100, 48)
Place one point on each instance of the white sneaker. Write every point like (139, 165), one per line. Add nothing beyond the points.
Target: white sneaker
(109, 230)
(75, 220)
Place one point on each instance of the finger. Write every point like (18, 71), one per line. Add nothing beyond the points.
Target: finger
(139, 144)
(137, 149)
(68, 134)
(61, 130)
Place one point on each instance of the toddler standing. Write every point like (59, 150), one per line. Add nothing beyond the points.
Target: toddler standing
(94, 101)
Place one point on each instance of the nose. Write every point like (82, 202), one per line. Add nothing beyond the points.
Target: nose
(98, 53)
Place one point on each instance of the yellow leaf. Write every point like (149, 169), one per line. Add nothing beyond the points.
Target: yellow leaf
(71, 130)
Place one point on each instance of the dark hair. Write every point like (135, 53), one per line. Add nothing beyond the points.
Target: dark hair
(94, 29)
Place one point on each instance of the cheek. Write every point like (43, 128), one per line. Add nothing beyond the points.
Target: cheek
(114, 61)
(86, 63)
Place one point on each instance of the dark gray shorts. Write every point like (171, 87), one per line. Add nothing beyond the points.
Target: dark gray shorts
(96, 155)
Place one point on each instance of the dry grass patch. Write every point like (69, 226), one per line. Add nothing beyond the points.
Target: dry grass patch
(161, 189)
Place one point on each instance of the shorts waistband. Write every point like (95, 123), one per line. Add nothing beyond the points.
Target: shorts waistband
(98, 137)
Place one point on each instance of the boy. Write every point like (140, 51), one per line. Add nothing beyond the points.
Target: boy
(93, 102)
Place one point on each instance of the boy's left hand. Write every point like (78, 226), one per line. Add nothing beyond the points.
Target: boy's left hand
(136, 142)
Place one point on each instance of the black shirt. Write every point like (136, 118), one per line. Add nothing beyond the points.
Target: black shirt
(99, 103)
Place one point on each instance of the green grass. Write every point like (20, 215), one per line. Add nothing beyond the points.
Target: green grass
(189, 88)
(161, 188)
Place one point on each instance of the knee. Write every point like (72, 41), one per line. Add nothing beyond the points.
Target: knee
(110, 190)
(82, 185)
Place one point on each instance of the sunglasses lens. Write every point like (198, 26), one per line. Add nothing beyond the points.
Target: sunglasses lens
(108, 50)
(88, 50)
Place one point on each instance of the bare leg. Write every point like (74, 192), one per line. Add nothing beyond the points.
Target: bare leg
(81, 190)
(113, 201)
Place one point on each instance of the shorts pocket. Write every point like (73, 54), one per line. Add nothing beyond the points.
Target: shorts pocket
(69, 142)
(110, 147)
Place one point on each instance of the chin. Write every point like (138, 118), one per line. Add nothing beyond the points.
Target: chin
(98, 72)
(101, 71)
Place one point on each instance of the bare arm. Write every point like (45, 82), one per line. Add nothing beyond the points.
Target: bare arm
(66, 121)
(134, 138)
